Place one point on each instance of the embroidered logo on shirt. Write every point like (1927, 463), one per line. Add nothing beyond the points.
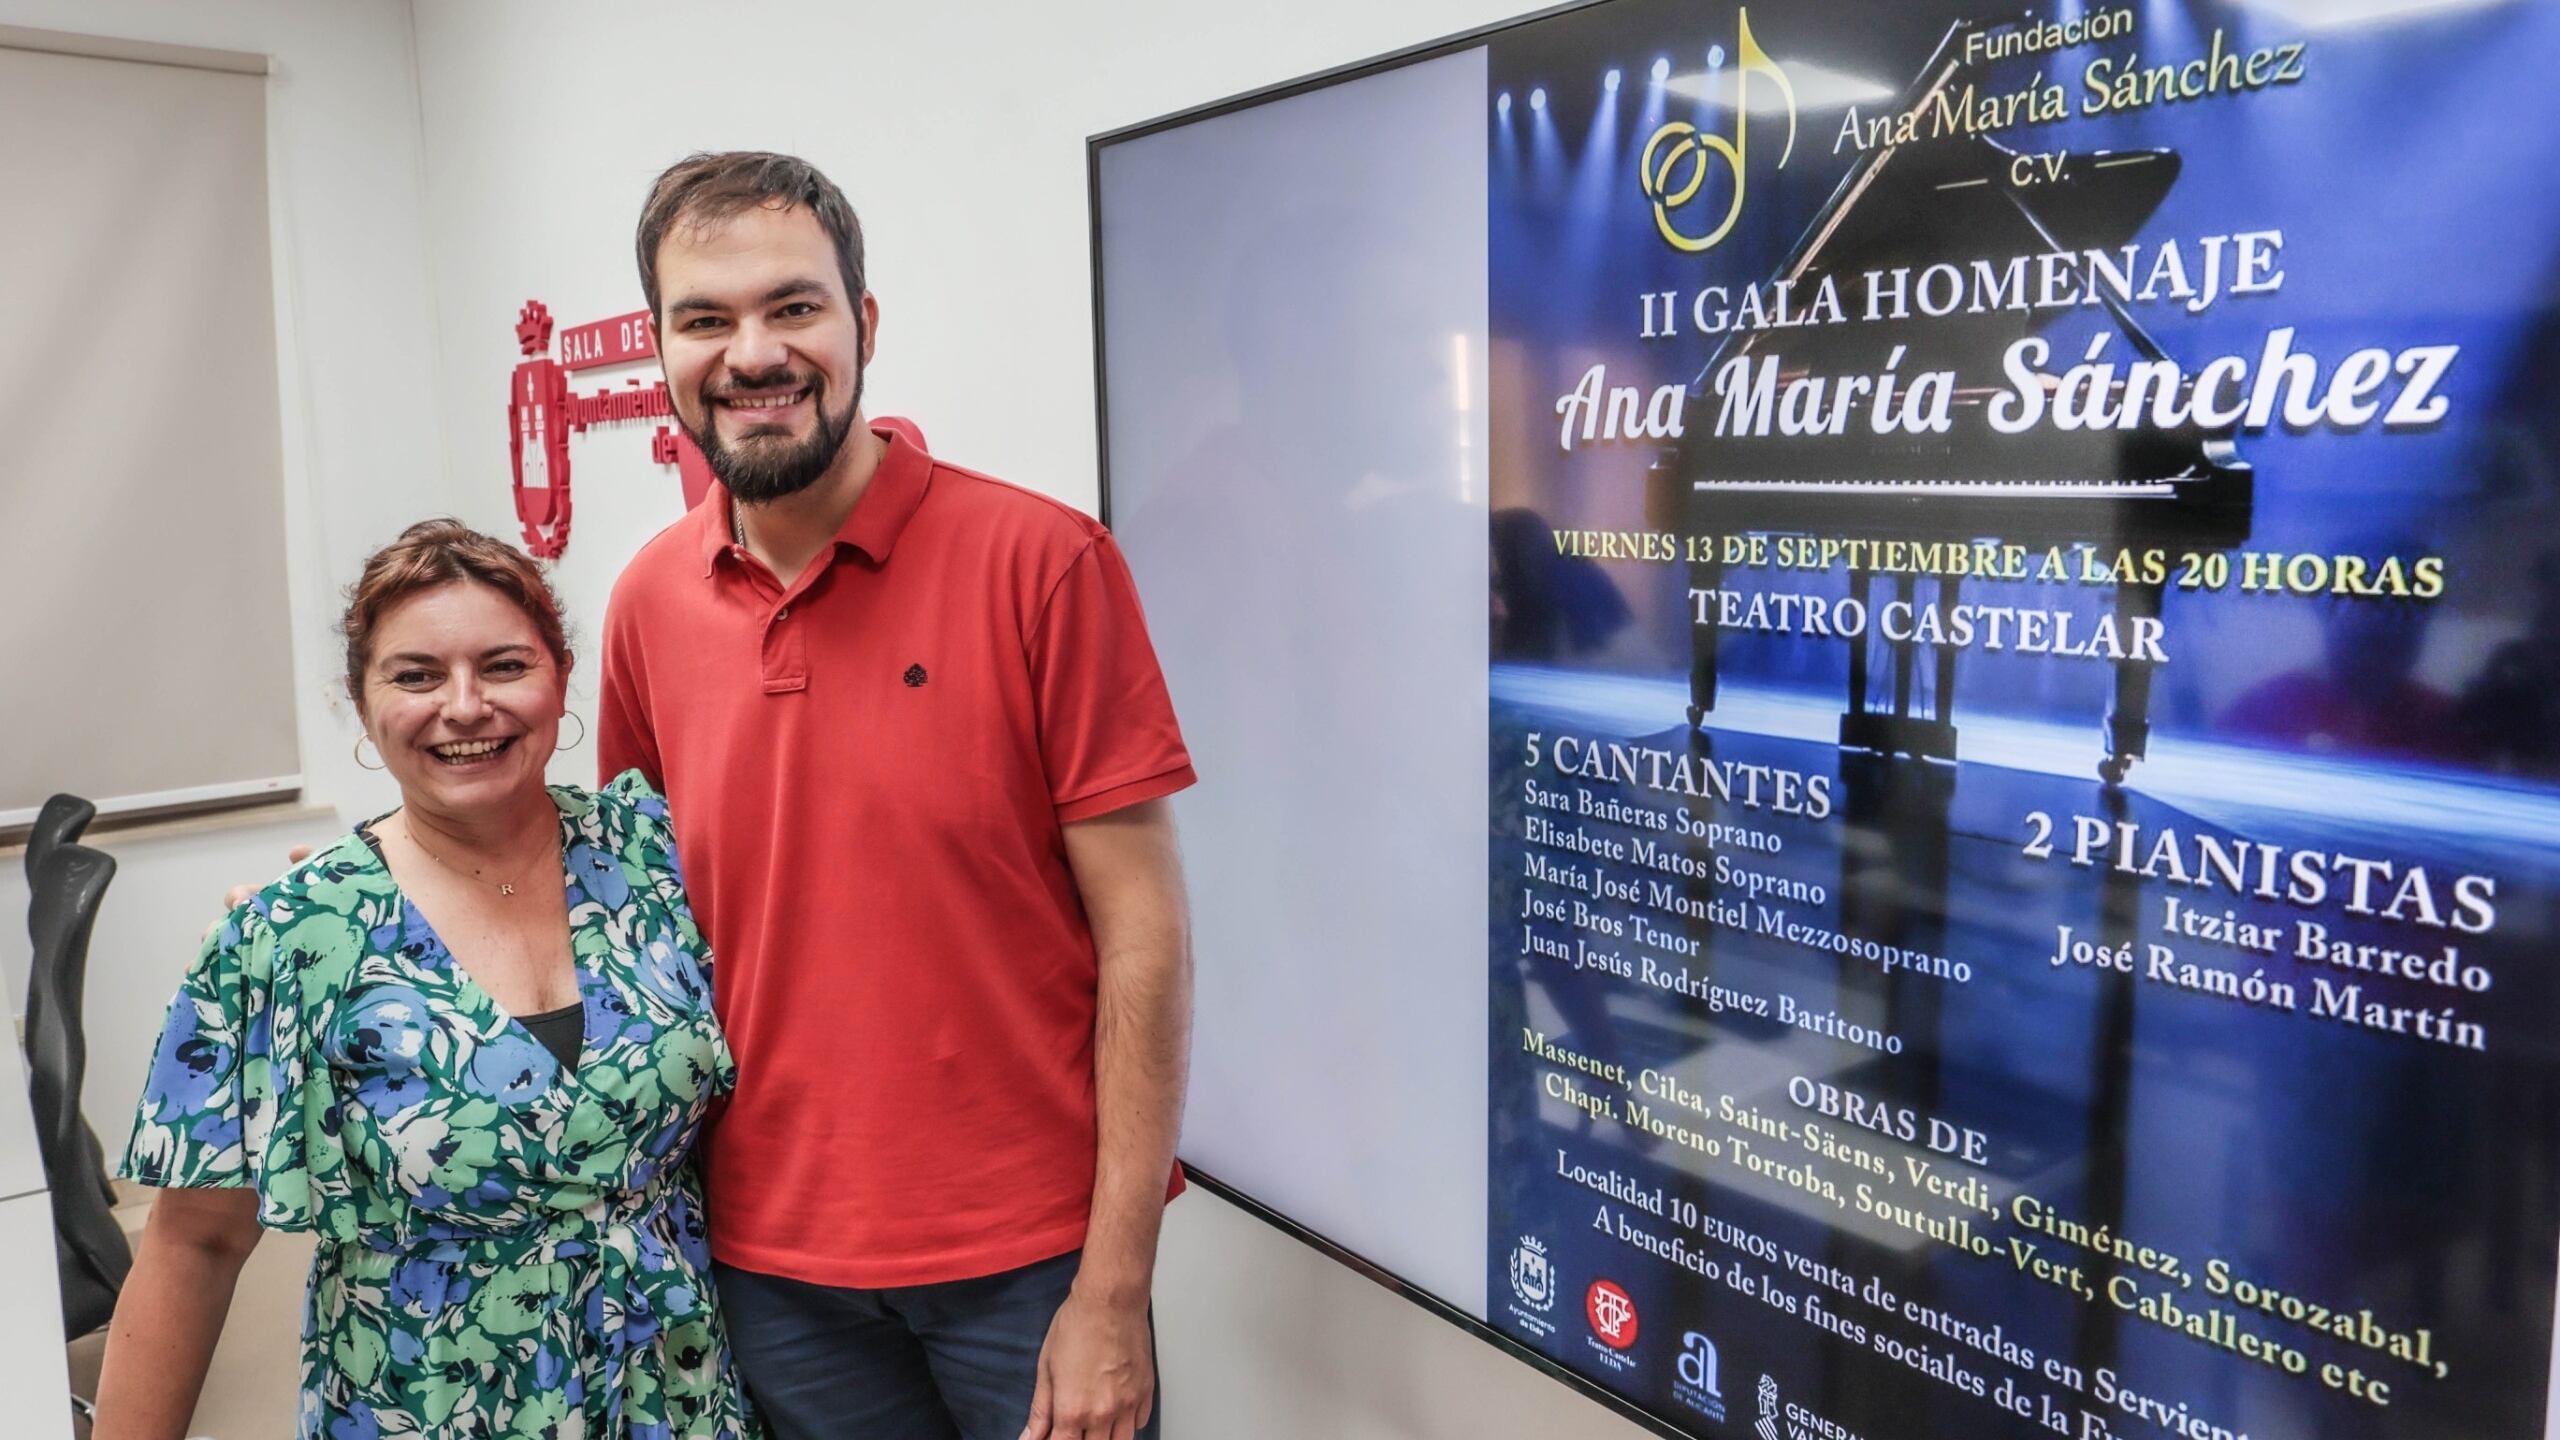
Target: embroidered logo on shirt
(915, 676)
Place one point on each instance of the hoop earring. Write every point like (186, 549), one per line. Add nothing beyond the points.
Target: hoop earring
(582, 732)
(377, 750)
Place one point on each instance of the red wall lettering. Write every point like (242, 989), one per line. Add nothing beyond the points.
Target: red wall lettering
(617, 341)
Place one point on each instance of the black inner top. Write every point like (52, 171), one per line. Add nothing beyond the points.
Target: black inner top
(563, 1032)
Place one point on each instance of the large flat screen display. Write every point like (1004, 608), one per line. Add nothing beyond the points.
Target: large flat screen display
(1878, 691)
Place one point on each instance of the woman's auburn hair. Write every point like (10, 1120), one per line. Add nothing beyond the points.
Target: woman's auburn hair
(438, 552)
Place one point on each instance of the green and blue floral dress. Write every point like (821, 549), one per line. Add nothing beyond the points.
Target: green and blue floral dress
(509, 1247)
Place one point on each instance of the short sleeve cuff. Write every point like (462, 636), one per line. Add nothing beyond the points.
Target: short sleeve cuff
(158, 1178)
(1121, 797)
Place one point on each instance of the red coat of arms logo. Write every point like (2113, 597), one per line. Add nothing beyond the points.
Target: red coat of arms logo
(542, 412)
(538, 436)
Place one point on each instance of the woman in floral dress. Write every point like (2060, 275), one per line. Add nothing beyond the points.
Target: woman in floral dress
(469, 1047)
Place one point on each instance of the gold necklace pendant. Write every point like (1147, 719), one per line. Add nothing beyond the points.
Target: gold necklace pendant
(506, 890)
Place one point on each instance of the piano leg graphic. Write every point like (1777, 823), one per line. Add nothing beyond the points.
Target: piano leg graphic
(1899, 732)
(2129, 719)
(1946, 688)
(1862, 585)
(1705, 574)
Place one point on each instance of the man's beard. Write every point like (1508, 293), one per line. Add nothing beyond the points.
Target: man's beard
(768, 467)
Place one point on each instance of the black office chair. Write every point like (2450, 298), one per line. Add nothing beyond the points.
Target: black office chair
(89, 1246)
(60, 822)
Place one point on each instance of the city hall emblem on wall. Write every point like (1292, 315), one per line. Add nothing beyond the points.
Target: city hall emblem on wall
(542, 412)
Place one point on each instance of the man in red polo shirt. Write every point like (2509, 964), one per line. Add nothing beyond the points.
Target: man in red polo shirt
(916, 747)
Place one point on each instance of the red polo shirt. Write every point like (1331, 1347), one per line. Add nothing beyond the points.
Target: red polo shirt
(868, 770)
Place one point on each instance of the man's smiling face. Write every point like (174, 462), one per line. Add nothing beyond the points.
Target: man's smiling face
(763, 349)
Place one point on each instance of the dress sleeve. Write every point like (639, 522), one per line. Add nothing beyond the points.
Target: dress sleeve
(235, 1097)
(680, 959)
(648, 841)
(191, 1129)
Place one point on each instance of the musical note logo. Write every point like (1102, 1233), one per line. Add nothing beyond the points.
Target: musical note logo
(1679, 157)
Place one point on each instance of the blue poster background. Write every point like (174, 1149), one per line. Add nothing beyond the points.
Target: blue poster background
(2212, 1193)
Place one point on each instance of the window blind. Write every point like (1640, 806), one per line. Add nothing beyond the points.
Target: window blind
(145, 662)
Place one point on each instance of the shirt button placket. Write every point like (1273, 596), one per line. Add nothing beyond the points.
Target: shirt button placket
(785, 665)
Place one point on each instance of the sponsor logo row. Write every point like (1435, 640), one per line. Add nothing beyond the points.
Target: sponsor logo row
(1614, 1322)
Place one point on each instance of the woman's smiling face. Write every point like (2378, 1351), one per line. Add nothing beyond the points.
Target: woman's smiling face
(462, 697)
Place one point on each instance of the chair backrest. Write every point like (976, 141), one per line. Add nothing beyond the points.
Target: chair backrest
(89, 1245)
(60, 822)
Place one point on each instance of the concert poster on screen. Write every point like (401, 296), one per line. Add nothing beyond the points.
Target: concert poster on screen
(2025, 716)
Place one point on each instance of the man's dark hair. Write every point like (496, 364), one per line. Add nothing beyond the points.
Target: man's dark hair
(705, 189)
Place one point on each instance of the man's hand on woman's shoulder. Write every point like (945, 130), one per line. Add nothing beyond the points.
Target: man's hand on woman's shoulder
(238, 895)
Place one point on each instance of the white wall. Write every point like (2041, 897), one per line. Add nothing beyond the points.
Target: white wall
(958, 132)
(431, 172)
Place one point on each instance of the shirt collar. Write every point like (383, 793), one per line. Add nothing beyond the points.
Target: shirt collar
(897, 487)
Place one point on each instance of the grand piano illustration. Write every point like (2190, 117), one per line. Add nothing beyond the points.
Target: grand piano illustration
(1953, 199)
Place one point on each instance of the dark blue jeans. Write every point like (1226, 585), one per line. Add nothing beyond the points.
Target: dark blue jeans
(955, 1361)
